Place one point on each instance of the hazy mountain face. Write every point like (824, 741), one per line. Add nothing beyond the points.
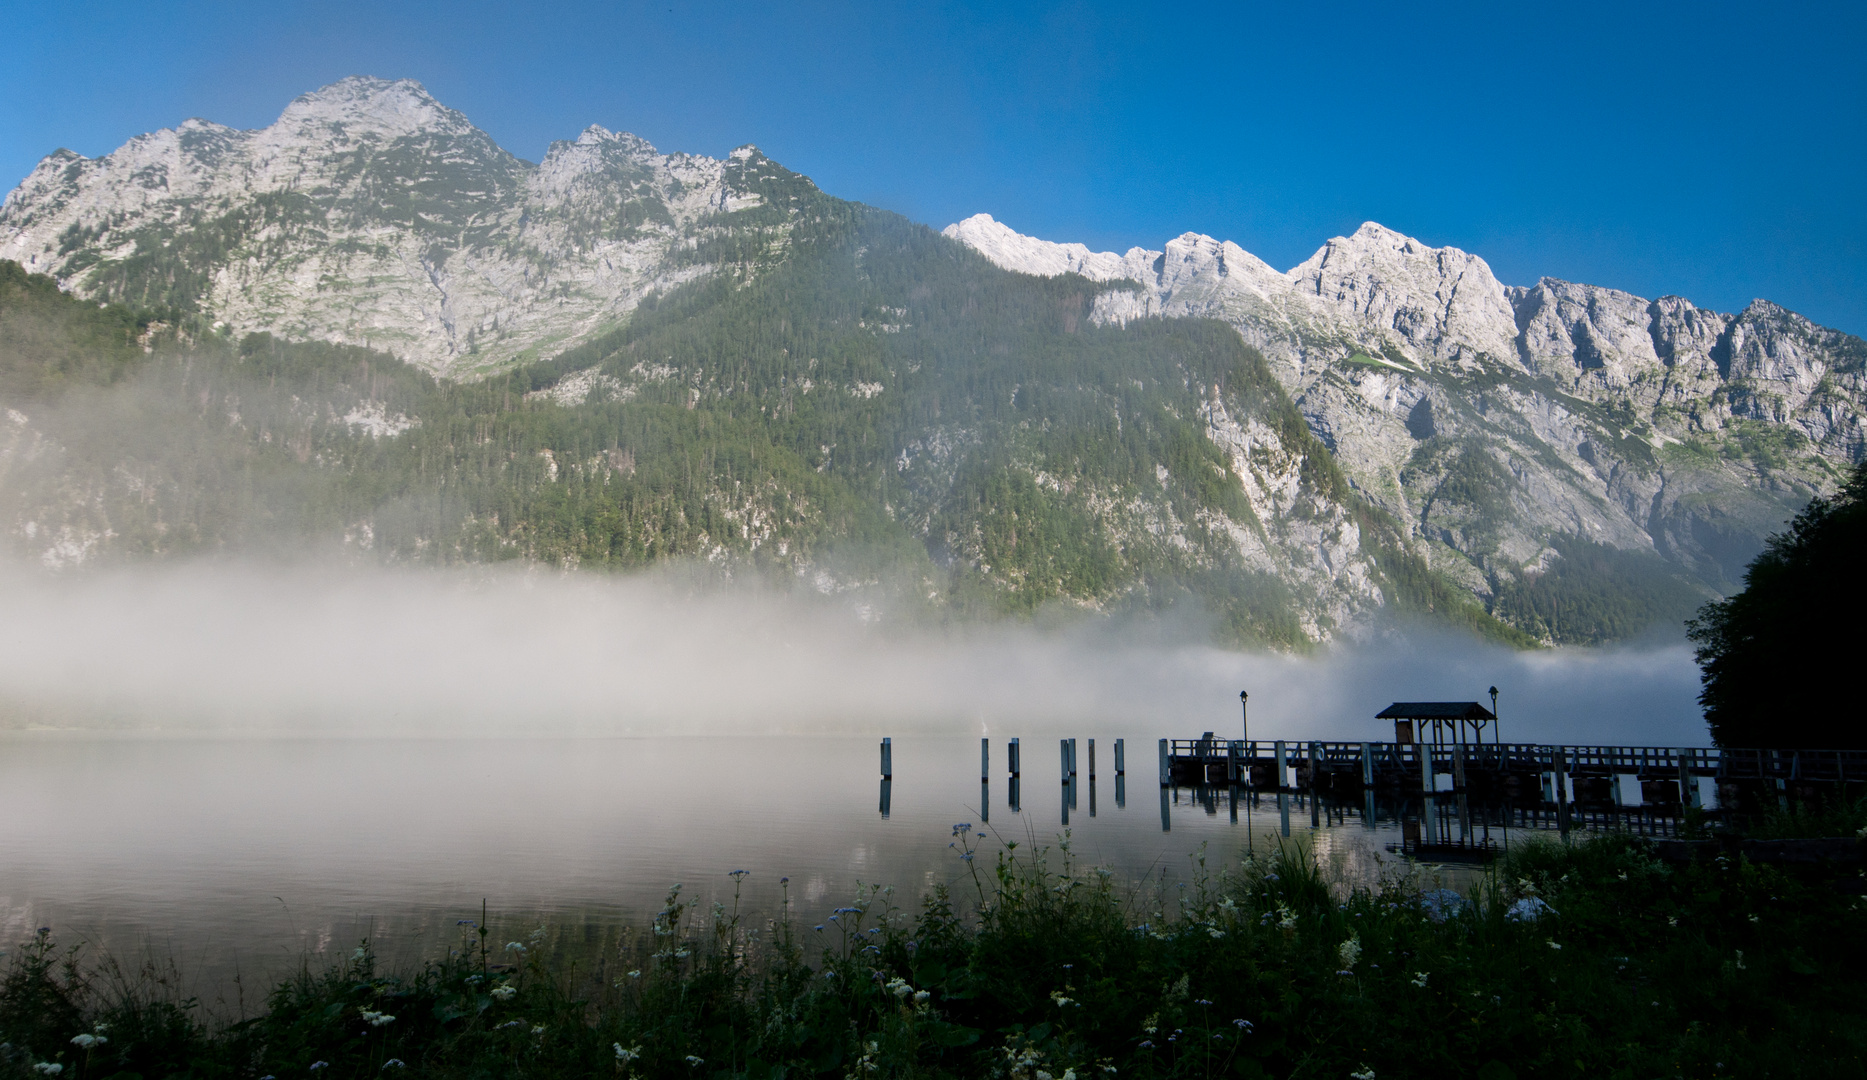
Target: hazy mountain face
(1520, 432)
(646, 357)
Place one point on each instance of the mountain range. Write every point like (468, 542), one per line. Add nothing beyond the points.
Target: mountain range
(412, 344)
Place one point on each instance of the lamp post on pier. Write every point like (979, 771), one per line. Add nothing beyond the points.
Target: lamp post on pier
(1496, 727)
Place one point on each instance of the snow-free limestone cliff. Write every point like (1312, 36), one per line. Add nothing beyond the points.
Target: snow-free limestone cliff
(370, 214)
(1501, 421)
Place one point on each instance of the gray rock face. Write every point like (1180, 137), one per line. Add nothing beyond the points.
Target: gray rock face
(371, 214)
(1497, 420)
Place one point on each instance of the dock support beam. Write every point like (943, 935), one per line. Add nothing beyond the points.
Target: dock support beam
(1562, 790)
(985, 760)
(888, 759)
(1166, 770)
(1011, 758)
(1121, 759)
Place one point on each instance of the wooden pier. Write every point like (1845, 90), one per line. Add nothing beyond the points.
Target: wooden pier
(1654, 777)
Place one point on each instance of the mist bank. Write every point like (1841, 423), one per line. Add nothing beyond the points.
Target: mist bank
(267, 649)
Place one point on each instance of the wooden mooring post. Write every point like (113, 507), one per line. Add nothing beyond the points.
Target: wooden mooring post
(888, 759)
(1121, 760)
(1011, 758)
(1166, 773)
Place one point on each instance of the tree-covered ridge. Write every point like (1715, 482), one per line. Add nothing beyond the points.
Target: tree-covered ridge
(854, 398)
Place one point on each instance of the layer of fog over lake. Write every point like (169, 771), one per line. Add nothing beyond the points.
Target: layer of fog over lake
(236, 765)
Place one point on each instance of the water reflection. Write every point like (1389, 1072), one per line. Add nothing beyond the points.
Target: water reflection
(251, 853)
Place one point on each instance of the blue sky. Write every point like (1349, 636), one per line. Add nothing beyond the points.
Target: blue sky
(1713, 150)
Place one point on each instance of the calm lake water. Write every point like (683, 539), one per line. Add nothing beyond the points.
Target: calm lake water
(246, 855)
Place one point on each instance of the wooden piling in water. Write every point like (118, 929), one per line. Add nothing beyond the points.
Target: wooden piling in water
(1166, 773)
(1121, 762)
(888, 759)
(1011, 755)
(985, 760)
(1063, 756)
(1562, 790)
(1092, 772)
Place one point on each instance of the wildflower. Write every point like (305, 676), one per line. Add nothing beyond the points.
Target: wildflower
(636, 974)
(504, 991)
(737, 873)
(396, 1062)
(1419, 978)
(626, 1056)
(1147, 1044)
(359, 953)
(48, 1068)
(86, 1041)
(1754, 919)
(899, 987)
(922, 997)
(1060, 1000)
(538, 1029)
(1672, 920)
(1151, 1024)
(1740, 959)
(1242, 1025)
(1528, 909)
(1441, 904)
(376, 1019)
(1557, 945)
(513, 946)
(1350, 950)
(510, 1023)
(820, 925)
(1201, 1001)
(682, 954)
(1215, 932)
(693, 1061)
(1366, 1073)
(316, 1065)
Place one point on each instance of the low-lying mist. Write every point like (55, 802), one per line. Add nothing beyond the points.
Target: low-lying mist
(275, 650)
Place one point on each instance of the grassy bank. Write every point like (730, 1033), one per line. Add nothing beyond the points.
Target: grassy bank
(1591, 959)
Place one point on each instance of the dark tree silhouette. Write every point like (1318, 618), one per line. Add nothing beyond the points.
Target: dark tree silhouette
(1777, 659)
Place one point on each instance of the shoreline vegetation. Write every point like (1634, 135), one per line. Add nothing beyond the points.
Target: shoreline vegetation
(1589, 958)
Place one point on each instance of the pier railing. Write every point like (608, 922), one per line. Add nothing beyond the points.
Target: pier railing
(1560, 773)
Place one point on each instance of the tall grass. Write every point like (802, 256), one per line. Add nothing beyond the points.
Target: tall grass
(1585, 959)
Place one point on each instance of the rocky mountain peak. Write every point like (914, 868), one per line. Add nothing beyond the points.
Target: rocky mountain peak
(361, 105)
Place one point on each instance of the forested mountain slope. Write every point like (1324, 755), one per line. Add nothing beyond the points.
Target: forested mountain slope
(854, 403)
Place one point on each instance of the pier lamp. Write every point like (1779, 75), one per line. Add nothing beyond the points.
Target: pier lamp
(1244, 714)
(1494, 720)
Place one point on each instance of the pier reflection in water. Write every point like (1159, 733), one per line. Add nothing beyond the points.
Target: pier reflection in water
(248, 854)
